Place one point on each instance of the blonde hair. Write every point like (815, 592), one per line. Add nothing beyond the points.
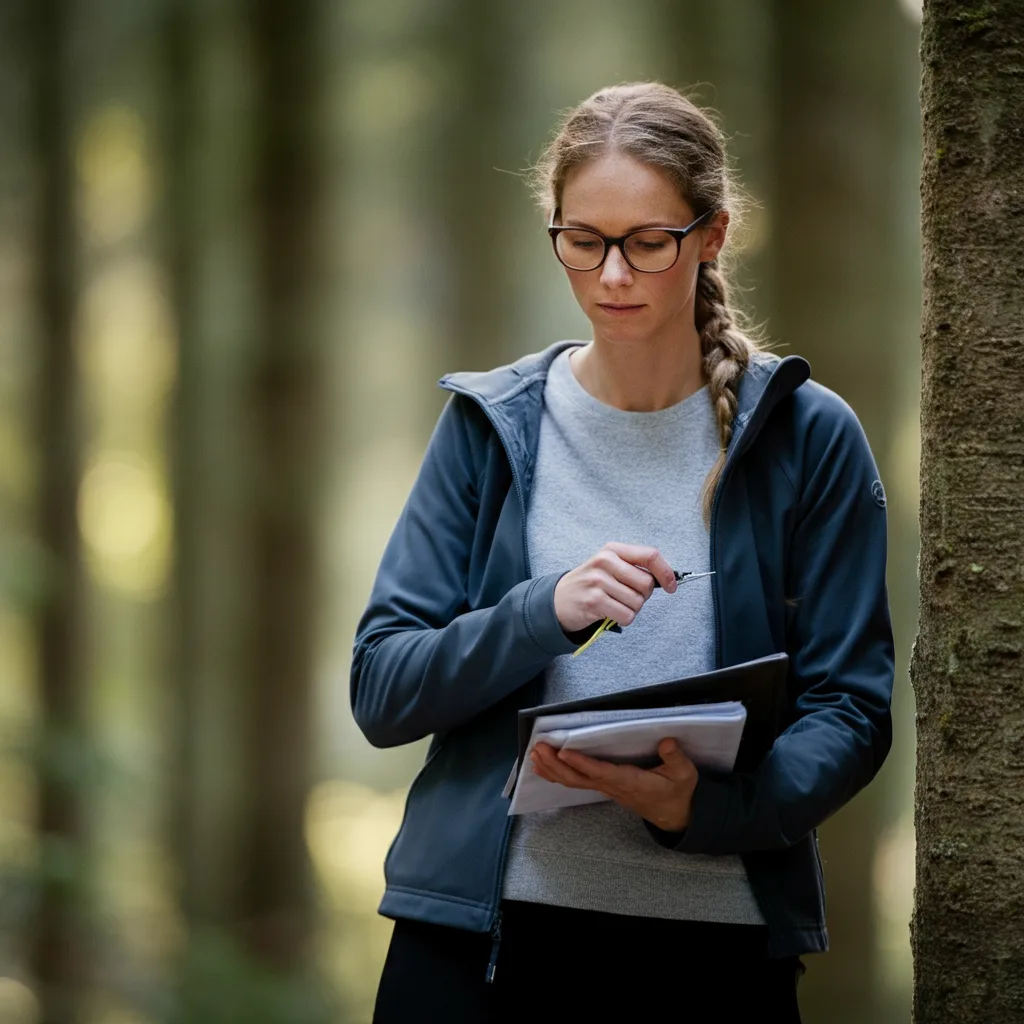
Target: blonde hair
(659, 126)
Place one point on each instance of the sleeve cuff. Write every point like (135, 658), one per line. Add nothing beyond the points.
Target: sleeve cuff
(541, 621)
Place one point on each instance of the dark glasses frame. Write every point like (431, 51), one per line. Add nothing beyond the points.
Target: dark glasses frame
(554, 230)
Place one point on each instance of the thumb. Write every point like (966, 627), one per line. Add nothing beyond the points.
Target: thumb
(671, 753)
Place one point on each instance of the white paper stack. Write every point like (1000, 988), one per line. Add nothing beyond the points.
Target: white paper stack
(709, 734)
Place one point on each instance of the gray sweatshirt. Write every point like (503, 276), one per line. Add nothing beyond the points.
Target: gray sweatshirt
(605, 474)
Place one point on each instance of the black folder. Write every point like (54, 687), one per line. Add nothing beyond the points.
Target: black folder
(759, 685)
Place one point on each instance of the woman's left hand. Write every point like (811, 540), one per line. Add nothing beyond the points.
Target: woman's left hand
(662, 795)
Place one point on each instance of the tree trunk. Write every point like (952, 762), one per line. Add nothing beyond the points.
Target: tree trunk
(284, 408)
(720, 55)
(968, 666)
(206, 125)
(840, 297)
(473, 232)
(59, 949)
(184, 252)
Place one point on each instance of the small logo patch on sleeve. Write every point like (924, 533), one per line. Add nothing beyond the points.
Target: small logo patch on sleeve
(878, 493)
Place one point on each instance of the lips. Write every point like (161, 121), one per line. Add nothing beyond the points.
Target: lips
(618, 307)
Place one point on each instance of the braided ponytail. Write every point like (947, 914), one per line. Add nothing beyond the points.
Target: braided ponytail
(659, 126)
(726, 352)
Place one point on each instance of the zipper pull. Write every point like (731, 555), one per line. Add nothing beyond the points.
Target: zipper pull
(496, 942)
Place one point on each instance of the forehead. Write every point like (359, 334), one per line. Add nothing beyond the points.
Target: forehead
(616, 192)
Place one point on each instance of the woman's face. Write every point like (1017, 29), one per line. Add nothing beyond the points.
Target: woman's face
(614, 195)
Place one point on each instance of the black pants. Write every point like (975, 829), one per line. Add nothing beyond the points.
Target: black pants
(597, 967)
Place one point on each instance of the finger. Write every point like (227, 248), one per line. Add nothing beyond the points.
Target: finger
(606, 607)
(636, 578)
(647, 558)
(618, 590)
(546, 760)
(548, 766)
(675, 764)
(671, 753)
(617, 776)
(590, 767)
(540, 770)
(615, 568)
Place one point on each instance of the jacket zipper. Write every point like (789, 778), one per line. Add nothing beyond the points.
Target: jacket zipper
(492, 964)
(745, 438)
(495, 929)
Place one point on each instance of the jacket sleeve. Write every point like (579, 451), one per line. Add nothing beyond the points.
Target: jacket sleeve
(839, 640)
(423, 662)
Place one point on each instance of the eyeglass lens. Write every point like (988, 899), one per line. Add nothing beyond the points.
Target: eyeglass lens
(580, 249)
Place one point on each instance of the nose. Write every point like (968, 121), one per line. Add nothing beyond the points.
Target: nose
(615, 271)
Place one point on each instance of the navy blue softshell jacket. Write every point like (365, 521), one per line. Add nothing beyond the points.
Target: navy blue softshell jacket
(457, 635)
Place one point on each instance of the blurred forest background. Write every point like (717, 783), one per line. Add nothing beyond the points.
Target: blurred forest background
(239, 241)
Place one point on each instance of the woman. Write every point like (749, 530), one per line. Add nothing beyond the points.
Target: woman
(553, 494)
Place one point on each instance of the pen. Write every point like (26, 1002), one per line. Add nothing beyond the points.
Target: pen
(684, 577)
(611, 626)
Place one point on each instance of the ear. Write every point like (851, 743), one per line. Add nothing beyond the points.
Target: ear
(713, 236)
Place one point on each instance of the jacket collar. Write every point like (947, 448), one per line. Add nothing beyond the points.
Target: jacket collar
(490, 387)
(511, 396)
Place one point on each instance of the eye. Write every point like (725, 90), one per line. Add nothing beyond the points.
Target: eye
(650, 241)
(580, 241)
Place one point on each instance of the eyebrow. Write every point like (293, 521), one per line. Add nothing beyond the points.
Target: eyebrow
(574, 223)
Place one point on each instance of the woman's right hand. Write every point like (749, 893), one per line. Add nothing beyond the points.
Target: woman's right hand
(613, 583)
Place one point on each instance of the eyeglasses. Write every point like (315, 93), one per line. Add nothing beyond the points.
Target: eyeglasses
(649, 250)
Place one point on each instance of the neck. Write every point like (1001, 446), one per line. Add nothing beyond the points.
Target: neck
(641, 376)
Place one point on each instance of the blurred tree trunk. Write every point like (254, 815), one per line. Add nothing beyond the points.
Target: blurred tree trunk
(241, 219)
(207, 123)
(719, 54)
(195, 848)
(58, 955)
(284, 410)
(472, 243)
(968, 667)
(839, 297)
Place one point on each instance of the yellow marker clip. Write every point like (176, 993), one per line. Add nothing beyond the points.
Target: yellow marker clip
(597, 632)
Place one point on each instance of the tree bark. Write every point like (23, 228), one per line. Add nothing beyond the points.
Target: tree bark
(58, 953)
(968, 664)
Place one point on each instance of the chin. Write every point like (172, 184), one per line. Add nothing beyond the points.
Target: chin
(622, 334)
